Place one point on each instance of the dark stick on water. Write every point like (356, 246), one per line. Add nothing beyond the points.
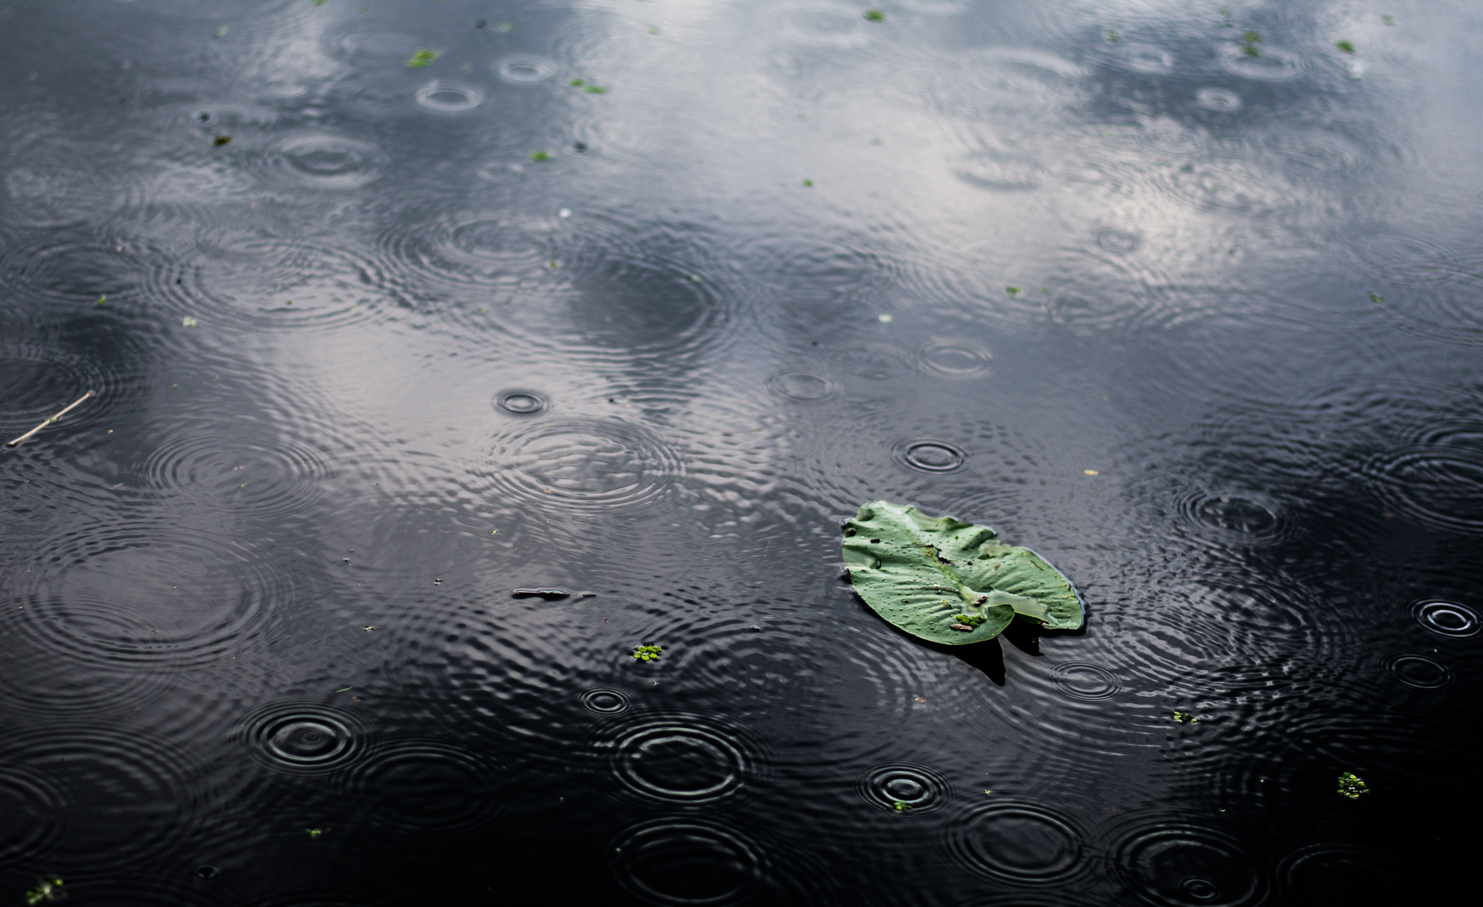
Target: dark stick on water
(44, 424)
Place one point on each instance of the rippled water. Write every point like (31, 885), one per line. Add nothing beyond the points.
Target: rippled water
(425, 394)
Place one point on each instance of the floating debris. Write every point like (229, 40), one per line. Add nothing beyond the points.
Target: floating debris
(901, 805)
(48, 889)
(1183, 717)
(549, 594)
(1013, 292)
(421, 58)
(316, 832)
(102, 299)
(56, 418)
(647, 653)
(1249, 41)
(1388, 20)
(505, 27)
(1351, 785)
(809, 183)
(220, 32)
(1113, 37)
(1377, 298)
(539, 156)
(1345, 46)
(189, 321)
(874, 15)
(1090, 472)
(221, 140)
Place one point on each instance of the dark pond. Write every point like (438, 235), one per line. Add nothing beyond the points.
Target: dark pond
(640, 299)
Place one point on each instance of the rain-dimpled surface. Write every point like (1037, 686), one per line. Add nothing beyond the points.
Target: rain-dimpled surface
(425, 395)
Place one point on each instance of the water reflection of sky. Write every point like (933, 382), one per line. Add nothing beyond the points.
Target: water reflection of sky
(641, 299)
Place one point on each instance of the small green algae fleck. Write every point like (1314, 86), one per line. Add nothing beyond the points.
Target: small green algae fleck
(189, 322)
(901, 805)
(1351, 785)
(647, 653)
(1376, 298)
(48, 889)
(421, 58)
(1249, 42)
(874, 15)
(576, 83)
(1388, 20)
(539, 156)
(1013, 291)
(1345, 46)
(809, 183)
(220, 32)
(315, 832)
(1183, 717)
(220, 141)
(102, 299)
(1113, 37)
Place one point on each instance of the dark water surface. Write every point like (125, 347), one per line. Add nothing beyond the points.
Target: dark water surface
(1203, 327)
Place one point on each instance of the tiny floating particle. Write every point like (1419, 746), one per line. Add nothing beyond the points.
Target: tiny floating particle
(874, 15)
(647, 653)
(901, 805)
(189, 322)
(1351, 785)
(421, 58)
(221, 140)
(220, 32)
(1091, 472)
(1013, 291)
(48, 889)
(1345, 46)
(539, 156)
(1182, 717)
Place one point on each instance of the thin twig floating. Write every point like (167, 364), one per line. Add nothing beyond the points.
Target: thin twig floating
(59, 415)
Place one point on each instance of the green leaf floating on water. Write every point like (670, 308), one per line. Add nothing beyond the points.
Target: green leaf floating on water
(948, 581)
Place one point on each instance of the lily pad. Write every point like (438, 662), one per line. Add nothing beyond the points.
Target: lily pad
(951, 582)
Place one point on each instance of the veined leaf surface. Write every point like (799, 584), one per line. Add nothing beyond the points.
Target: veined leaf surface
(926, 574)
